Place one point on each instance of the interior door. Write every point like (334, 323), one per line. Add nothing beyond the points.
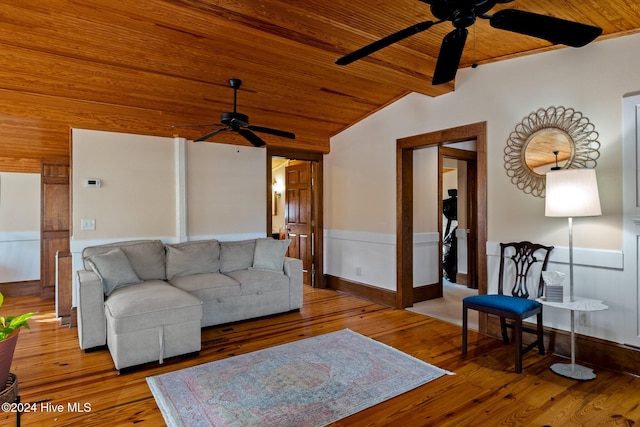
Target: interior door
(298, 188)
(54, 231)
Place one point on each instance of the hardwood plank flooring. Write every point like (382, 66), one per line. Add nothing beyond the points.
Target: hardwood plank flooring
(53, 371)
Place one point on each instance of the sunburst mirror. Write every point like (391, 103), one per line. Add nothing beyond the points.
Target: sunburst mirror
(549, 139)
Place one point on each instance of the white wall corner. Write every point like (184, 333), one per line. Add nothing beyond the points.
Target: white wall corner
(180, 145)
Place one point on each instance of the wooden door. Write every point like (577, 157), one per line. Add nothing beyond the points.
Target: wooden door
(298, 206)
(472, 235)
(55, 225)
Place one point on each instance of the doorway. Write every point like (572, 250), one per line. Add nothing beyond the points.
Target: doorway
(294, 207)
(20, 233)
(458, 209)
(477, 218)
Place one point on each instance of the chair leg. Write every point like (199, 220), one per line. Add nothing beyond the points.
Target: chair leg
(464, 330)
(540, 334)
(503, 328)
(518, 339)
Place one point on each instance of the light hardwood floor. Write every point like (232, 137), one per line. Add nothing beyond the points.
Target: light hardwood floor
(53, 371)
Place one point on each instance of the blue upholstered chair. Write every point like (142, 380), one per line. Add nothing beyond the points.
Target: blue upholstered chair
(517, 262)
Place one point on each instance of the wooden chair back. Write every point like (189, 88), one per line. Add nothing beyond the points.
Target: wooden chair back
(524, 258)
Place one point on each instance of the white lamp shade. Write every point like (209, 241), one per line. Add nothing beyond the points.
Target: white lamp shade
(571, 193)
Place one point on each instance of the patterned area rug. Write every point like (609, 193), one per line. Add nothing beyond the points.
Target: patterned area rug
(311, 382)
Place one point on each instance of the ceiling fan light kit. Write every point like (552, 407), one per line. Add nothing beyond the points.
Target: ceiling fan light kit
(238, 122)
(463, 14)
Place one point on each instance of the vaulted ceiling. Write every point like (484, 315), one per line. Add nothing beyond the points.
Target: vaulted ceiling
(141, 66)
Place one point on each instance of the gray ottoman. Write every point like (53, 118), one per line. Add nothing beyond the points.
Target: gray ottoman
(151, 321)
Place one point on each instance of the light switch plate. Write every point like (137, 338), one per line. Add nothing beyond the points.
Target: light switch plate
(88, 224)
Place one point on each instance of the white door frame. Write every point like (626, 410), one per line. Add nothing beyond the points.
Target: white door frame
(631, 215)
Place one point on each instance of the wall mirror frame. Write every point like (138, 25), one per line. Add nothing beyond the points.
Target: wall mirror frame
(549, 139)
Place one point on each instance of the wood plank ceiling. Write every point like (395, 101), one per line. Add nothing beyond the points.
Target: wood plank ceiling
(141, 66)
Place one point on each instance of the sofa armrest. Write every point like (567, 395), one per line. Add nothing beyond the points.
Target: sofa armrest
(92, 323)
(293, 269)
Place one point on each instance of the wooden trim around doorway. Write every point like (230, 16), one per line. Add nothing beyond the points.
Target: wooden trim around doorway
(318, 202)
(404, 213)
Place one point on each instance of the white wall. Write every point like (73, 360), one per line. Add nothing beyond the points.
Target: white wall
(137, 192)
(226, 191)
(19, 227)
(425, 217)
(592, 80)
(164, 188)
(425, 190)
(224, 188)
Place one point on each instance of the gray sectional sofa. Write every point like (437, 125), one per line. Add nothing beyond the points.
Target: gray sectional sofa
(147, 300)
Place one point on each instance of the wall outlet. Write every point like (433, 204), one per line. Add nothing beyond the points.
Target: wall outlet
(88, 224)
(584, 318)
(358, 271)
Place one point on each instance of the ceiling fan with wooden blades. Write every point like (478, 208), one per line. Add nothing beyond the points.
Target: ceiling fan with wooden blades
(237, 122)
(463, 13)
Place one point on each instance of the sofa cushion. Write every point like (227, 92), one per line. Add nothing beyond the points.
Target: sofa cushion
(208, 286)
(146, 256)
(196, 257)
(114, 269)
(236, 255)
(150, 304)
(269, 254)
(260, 281)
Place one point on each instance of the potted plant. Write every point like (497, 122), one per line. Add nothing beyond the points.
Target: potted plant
(9, 329)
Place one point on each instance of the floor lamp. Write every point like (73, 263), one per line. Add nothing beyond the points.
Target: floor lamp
(571, 193)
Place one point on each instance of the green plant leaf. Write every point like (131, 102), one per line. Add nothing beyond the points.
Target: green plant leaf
(11, 323)
(5, 332)
(16, 322)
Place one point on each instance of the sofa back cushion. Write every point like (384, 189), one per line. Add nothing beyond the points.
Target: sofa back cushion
(236, 255)
(146, 257)
(198, 257)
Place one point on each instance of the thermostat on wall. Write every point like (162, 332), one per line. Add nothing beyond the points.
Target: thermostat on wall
(92, 182)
